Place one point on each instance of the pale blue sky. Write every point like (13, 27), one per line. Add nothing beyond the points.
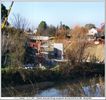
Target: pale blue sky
(70, 13)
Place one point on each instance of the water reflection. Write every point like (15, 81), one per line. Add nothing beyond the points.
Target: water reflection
(95, 91)
(50, 93)
(79, 88)
(73, 90)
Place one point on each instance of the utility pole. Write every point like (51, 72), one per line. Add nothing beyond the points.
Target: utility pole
(6, 18)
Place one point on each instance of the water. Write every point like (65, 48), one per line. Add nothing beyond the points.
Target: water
(87, 88)
(97, 93)
(52, 92)
(70, 90)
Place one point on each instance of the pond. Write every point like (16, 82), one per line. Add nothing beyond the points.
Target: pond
(54, 92)
(80, 88)
(90, 88)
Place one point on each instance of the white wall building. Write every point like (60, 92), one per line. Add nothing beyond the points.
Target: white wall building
(58, 48)
(92, 32)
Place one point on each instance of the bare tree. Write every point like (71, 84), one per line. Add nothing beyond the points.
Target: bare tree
(20, 22)
(76, 52)
(13, 41)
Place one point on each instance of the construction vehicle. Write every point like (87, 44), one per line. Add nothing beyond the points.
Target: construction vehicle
(6, 18)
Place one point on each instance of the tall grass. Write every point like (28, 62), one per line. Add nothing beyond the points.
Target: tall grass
(93, 88)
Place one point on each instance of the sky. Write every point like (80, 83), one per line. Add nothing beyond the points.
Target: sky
(69, 13)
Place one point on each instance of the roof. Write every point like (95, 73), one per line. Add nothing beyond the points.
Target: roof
(39, 38)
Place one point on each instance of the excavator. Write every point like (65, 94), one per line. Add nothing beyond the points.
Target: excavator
(3, 25)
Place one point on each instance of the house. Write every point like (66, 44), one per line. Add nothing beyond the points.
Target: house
(92, 34)
(47, 50)
(92, 31)
(101, 31)
(37, 41)
(45, 45)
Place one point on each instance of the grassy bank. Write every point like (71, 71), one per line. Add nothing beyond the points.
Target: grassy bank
(21, 76)
(25, 90)
(67, 88)
(14, 77)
